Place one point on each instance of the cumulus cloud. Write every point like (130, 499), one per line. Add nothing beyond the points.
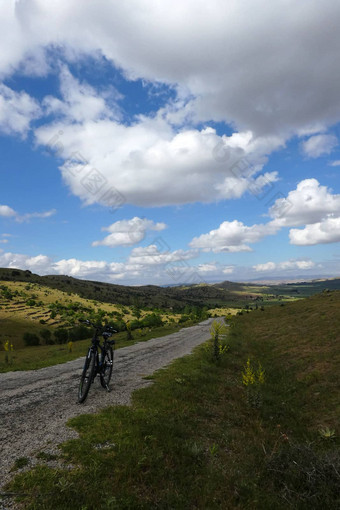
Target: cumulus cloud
(7, 211)
(319, 145)
(150, 163)
(284, 266)
(128, 232)
(309, 203)
(220, 67)
(144, 264)
(232, 236)
(80, 102)
(242, 72)
(152, 256)
(17, 110)
(327, 231)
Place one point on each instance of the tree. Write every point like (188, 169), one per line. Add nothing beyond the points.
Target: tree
(46, 335)
(61, 335)
(31, 339)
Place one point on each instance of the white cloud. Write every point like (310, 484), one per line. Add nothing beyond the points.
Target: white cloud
(228, 270)
(4, 241)
(232, 236)
(40, 263)
(206, 268)
(284, 266)
(42, 215)
(80, 102)
(335, 163)
(309, 203)
(238, 71)
(128, 232)
(17, 110)
(7, 211)
(152, 164)
(327, 231)
(319, 145)
(221, 67)
(152, 256)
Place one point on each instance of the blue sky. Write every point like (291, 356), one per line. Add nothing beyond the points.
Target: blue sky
(160, 143)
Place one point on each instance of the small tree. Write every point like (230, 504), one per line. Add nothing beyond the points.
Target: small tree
(31, 339)
(129, 335)
(217, 331)
(46, 335)
(61, 335)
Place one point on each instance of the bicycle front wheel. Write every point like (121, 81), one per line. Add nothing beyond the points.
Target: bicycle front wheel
(106, 371)
(86, 376)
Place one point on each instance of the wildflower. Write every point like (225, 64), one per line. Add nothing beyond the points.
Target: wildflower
(248, 376)
(327, 433)
(260, 374)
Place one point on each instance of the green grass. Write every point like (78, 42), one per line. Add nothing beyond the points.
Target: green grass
(196, 440)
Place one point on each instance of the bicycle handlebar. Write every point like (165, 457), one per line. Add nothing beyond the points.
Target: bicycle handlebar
(99, 327)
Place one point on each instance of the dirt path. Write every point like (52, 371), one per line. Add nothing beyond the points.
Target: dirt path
(35, 405)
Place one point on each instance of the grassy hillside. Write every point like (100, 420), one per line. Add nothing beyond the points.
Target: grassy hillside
(201, 438)
(175, 298)
(32, 307)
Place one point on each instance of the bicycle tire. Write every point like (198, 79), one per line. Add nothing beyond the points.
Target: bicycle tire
(86, 376)
(106, 370)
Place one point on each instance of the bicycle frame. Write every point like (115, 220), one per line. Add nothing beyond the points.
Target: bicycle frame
(94, 347)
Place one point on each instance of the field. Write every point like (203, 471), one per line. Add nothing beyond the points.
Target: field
(255, 427)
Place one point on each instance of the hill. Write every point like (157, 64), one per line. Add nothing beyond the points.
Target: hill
(176, 298)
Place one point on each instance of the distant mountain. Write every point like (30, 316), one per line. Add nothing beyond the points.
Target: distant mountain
(225, 293)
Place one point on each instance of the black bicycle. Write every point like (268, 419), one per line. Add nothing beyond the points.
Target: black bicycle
(97, 362)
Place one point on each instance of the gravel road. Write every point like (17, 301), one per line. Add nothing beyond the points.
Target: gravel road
(35, 405)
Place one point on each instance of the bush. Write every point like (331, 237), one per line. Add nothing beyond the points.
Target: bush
(31, 339)
(184, 318)
(79, 333)
(150, 321)
(61, 335)
(46, 335)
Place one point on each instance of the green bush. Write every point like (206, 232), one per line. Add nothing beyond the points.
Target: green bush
(79, 333)
(31, 339)
(61, 335)
(46, 335)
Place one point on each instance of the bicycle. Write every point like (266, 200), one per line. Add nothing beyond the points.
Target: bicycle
(95, 362)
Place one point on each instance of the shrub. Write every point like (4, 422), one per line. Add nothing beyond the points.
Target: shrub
(46, 335)
(79, 333)
(61, 335)
(31, 339)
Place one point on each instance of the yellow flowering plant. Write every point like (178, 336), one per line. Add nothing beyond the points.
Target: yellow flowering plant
(253, 378)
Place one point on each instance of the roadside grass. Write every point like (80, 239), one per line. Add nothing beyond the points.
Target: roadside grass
(194, 439)
(35, 357)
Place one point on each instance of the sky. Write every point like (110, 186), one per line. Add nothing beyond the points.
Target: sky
(157, 142)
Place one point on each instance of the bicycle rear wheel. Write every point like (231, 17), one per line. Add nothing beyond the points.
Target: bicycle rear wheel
(86, 376)
(106, 371)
